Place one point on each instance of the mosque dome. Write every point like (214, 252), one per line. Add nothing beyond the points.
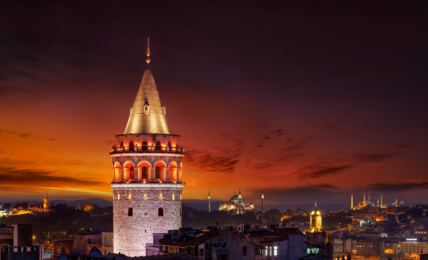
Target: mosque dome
(235, 199)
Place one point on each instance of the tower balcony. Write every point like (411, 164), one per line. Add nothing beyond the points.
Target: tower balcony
(147, 149)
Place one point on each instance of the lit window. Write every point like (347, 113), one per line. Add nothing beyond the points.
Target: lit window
(145, 196)
(130, 196)
(160, 196)
(180, 196)
(275, 250)
(173, 197)
(118, 196)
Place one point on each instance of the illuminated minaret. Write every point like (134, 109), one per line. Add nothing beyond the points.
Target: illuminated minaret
(396, 201)
(263, 202)
(147, 173)
(369, 197)
(378, 203)
(381, 202)
(364, 199)
(239, 203)
(352, 200)
(209, 202)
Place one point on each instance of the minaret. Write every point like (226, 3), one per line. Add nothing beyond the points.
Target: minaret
(369, 197)
(147, 173)
(378, 203)
(396, 201)
(263, 202)
(209, 202)
(239, 203)
(352, 200)
(364, 199)
(381, 202)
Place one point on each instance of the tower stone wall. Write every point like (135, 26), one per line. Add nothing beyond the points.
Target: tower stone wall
(132, 233)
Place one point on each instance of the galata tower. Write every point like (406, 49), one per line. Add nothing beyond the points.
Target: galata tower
(147, 173)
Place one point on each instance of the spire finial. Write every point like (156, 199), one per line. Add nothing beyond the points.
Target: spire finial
(148, 51)
(315, 201)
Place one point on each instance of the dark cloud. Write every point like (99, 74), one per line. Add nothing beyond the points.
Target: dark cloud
(23, 135)
(294, 195)
(399, 186)
(337, 165)
(401, 146)
(27, 57)
(320, 170)
(372, 157)
(14, 176)
(273, 134)
(212, 162)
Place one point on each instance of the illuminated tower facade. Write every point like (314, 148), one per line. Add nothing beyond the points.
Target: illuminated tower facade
(381, 202)
(316, 219)
(147, 173)
(46, 202)
(352, 200)
(209, 202)
(378, 203)
(263, 202)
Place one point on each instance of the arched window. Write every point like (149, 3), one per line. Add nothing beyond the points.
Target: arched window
(158, 173)
(173, 197)
(131, 146)
(145, 197)
(145, 173)
(158, 146)
(130, 196)
(131, 173)
(121, 144)
(169, 146)
(160, 196)
(130, 212)
(160, 212)
(144, 146)
(118, 196)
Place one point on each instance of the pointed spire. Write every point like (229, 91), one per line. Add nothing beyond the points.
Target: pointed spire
(147, 115)
(148, 51)
(315, 201)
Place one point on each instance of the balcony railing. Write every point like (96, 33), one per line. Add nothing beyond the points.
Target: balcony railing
(147, 149)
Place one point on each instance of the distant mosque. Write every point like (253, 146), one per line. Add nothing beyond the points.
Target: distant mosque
(367, 203)
(236, 205)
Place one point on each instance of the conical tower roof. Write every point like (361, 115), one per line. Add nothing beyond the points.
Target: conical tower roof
(147, 115)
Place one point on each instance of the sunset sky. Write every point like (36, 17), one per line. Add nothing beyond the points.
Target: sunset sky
(301, 99)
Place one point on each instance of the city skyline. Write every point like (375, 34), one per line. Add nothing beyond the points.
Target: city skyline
(284, 112)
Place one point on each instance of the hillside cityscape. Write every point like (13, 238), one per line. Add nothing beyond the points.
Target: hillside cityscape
(294, 130)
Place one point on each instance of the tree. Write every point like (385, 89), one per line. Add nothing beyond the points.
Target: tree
(289, 211)
(7, 206)
(297, 211)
